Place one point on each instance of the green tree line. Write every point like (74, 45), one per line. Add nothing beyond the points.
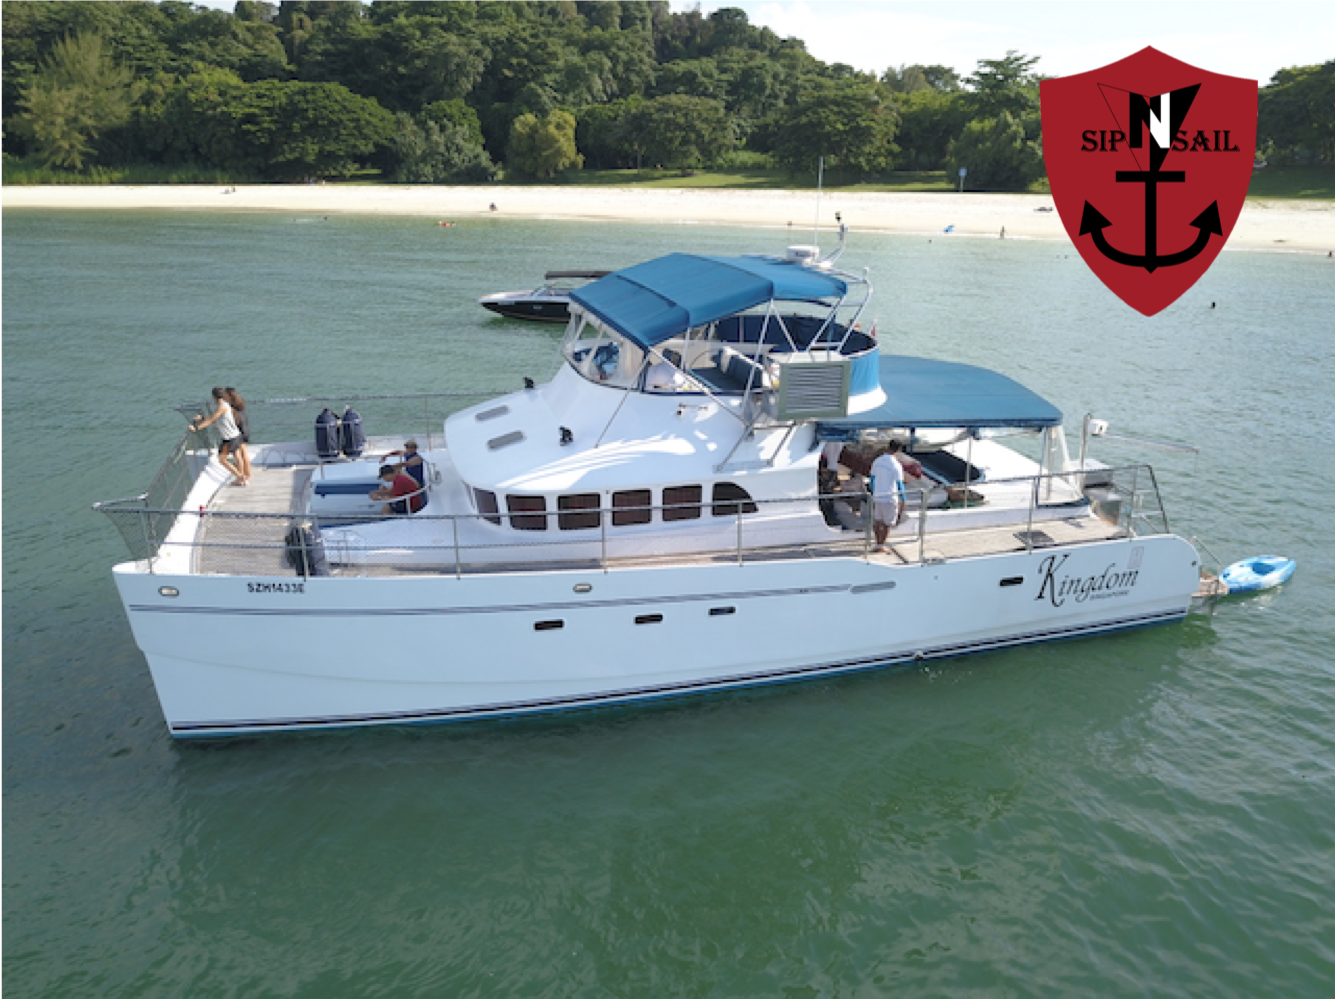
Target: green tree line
(446, 92)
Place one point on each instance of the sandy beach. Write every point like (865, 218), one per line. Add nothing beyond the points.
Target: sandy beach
(1275, 225)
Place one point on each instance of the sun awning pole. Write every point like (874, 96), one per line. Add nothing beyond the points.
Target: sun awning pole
(626, 393)
(968, 469)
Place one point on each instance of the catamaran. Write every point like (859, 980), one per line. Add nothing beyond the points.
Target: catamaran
(683, 508)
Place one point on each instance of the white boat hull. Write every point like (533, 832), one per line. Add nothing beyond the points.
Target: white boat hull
(232, 654)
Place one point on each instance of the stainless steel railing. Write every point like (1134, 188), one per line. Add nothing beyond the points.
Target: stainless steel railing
(1119, 502)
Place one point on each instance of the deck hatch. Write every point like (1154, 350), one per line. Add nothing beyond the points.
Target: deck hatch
(505, 440)
(493, 413)
(1034, 539)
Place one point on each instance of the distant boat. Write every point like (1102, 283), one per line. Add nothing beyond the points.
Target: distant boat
(549, 303)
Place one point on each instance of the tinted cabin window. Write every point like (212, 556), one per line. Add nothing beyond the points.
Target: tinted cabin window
(486, 505)
(682, 502)
(631, 507)
(578, 511)
(731, 499)
(527, 513)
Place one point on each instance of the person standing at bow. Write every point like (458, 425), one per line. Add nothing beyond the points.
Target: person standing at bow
(228, 431)
(243, 424)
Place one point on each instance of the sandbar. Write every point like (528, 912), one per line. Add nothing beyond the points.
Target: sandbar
(1307, 226)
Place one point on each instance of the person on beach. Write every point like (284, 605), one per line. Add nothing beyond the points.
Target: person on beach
(887, 486)
(397, 484)
(413, 463)
(227, 430)
(243, 424)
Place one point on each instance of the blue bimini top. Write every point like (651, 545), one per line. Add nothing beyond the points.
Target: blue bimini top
(663, 298)
(923, 393)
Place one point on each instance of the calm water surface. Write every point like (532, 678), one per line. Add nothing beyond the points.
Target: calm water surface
(1151, 814)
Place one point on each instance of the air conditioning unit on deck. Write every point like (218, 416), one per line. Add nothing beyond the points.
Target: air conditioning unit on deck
(812, 386)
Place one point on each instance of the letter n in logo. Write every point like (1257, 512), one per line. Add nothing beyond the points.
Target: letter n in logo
(1149, 161)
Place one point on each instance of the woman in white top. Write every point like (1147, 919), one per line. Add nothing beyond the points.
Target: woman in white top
(243, 427)
(228, 431)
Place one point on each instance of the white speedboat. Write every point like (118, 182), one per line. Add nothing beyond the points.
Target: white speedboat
(549, 302)
(677, 511)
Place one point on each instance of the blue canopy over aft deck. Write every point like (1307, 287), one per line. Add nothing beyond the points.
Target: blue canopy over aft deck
(923, 393)
(663, 298)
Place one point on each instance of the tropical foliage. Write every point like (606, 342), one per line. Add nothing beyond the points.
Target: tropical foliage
(445, 92)
(1296, 116)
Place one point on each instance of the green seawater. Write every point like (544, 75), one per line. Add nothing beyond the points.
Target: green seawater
(1147, 814)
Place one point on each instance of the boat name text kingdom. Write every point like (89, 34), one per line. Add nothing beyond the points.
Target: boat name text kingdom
(1058, 586)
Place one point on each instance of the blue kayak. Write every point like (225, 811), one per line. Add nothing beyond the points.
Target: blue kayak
(1259, 573)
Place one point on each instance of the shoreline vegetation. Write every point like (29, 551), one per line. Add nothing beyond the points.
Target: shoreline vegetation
(1287, 182)
(1265, 223)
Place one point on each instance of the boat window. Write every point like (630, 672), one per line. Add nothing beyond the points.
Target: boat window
(631, 506)
(527, 513)
(578, 511)
(682, 502)
(485, 500)
(731, 499)
(601, 355)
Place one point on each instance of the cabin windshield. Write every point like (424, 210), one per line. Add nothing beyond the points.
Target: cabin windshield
(601, 355)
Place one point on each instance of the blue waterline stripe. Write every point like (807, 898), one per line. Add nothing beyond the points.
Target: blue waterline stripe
(634, 695)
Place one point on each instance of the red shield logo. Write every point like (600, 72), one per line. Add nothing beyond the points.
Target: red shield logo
(1149, 161)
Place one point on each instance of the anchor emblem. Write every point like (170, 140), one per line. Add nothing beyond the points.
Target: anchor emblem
(1160, 116)
(1207, 222)
(1107, 136)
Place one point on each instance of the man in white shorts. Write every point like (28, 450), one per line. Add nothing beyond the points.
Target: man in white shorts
(887, 493)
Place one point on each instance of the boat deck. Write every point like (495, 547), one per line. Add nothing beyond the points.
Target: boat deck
(240, 545)
(249, 539)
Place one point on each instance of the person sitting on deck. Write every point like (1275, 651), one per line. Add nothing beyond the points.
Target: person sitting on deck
(413, 463)
(398, 484)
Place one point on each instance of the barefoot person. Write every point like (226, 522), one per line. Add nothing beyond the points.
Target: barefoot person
(243, 424)
(227, 430)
